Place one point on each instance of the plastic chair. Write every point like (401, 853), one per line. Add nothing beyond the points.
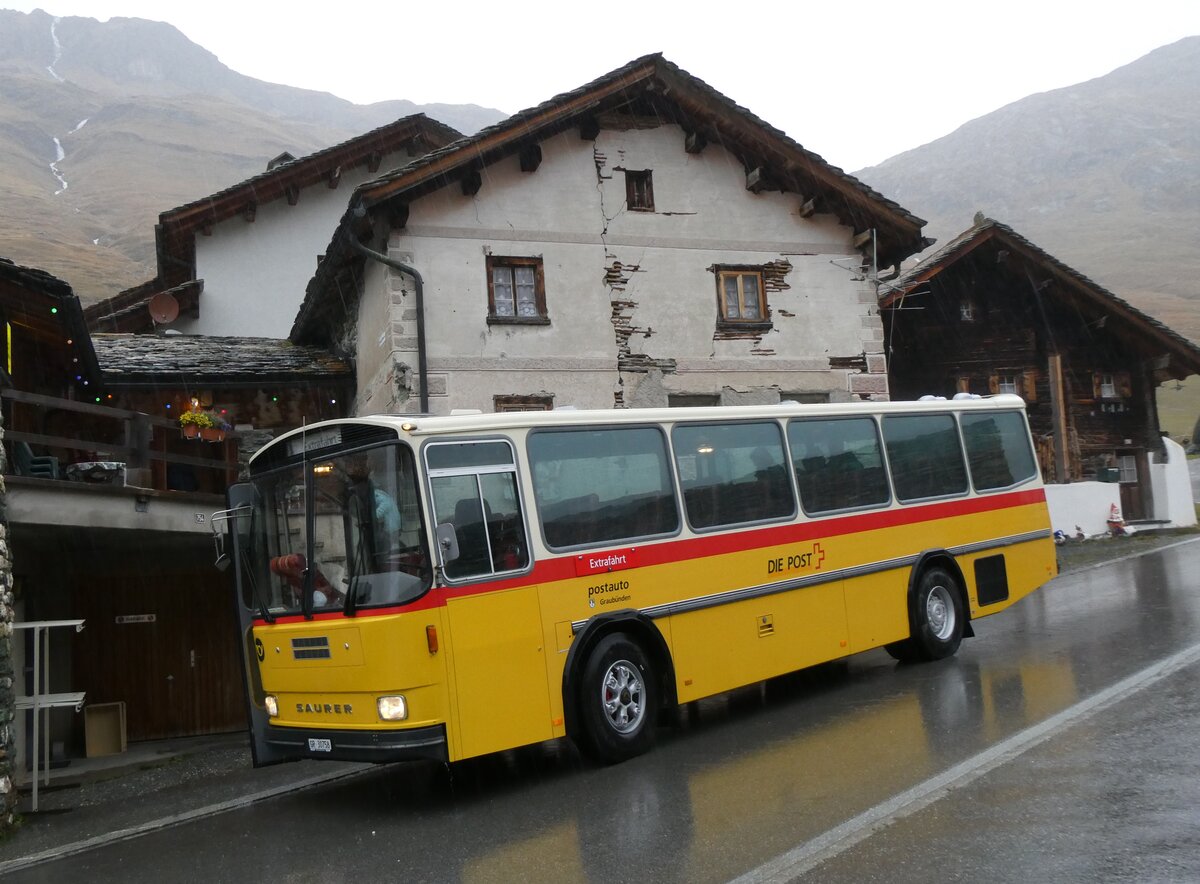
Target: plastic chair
(28, 464)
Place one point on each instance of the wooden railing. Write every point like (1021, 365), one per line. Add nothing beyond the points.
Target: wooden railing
(144, 445)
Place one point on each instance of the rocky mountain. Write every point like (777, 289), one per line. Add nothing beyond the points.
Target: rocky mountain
(105, 125)
(1104, 175)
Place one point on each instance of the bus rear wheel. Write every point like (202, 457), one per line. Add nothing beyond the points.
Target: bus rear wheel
(618, 700)
(937, 619)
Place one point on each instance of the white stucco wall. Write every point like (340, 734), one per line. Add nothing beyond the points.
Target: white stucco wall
(571, 213)
(1083, 504)
(255, 273)
(1172, 485)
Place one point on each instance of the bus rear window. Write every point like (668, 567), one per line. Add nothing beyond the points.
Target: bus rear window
(925, 456)
(599, 486)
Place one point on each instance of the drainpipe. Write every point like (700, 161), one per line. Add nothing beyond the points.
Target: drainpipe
(422, 366)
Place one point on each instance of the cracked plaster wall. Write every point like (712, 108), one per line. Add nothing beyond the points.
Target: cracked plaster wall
(627, 292)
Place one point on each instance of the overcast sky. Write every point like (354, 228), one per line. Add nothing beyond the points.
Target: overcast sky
(856, 82)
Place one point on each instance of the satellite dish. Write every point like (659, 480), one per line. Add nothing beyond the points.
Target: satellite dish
(164, 308)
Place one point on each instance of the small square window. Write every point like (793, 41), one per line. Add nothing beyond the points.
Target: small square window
(503, 404)
(742, 299)
(516, 290)
(966, 311)
(804, 398)
(693, 400)
(1007, 384)
(639, 191)
(1108, 387)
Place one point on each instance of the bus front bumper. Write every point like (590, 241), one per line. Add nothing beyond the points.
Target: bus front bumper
(373, 746)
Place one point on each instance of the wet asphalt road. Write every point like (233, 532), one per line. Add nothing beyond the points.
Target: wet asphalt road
(860, 771)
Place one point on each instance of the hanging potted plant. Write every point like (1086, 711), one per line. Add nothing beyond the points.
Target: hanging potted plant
(193, 423)
(215, 431)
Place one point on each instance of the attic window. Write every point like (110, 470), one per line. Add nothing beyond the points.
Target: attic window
(639, 191)
(966, 310)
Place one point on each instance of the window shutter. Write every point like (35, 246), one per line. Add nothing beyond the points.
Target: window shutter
(964, 385)
(1124, 384)
(1029, 383)
(993, 384)
(1097, 382)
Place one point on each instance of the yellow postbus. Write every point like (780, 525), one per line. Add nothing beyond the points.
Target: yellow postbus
(445, 587)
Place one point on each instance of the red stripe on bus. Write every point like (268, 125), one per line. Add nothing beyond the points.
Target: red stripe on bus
(669, 552)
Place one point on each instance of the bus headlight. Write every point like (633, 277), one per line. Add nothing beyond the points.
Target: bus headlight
(393, 708)
(272, 704)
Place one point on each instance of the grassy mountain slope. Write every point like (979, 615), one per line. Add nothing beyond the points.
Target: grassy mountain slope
(166, 123)
(1104, 175)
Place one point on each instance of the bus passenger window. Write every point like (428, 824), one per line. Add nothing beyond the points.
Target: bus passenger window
(732, 473)
(599, 486)
(998, 450)
(838, 464)
(925, 456)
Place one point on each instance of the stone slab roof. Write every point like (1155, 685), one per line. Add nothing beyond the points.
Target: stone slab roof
(139, 360)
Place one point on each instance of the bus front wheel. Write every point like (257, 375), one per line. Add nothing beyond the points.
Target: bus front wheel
(937, 619)
(618, 700)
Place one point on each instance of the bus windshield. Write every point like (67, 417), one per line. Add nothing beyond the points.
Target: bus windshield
(338, 533)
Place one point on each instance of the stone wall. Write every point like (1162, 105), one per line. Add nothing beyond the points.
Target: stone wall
(8, 791)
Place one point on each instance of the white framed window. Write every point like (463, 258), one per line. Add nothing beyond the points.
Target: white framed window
(1108, 386)
(1127, 466)
(1007, 383)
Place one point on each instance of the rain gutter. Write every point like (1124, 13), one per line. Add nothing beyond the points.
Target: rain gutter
(422, 363)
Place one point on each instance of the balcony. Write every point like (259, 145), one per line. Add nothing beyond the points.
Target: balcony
(109, 468)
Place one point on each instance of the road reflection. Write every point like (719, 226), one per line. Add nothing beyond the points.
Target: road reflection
(738, 779)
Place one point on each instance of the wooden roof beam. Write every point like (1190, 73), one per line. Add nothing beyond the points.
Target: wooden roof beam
(531, 157)
(472, 181)
(757, 180)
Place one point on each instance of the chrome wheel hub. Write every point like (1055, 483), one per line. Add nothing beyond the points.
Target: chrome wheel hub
(939, 613)
(621, 694)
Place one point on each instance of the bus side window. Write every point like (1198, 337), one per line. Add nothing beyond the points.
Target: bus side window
(838, 464)
(602, 485)
(998, 450)
(925, 456)
(475, 491)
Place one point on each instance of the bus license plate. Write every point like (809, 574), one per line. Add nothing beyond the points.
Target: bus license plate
(315, 745)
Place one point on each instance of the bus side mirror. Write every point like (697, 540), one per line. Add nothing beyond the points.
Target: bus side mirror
(222, 557)
(447, 542)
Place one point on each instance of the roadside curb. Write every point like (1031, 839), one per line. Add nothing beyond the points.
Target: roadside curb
(64, 850)
(1126, 558)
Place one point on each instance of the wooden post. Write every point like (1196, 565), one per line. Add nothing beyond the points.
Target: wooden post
(1058, 416)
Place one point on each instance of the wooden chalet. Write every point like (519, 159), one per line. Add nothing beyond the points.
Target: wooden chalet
(992, 313)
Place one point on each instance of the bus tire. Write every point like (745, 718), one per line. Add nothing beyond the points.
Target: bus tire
(618, 700)
(938, 616)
